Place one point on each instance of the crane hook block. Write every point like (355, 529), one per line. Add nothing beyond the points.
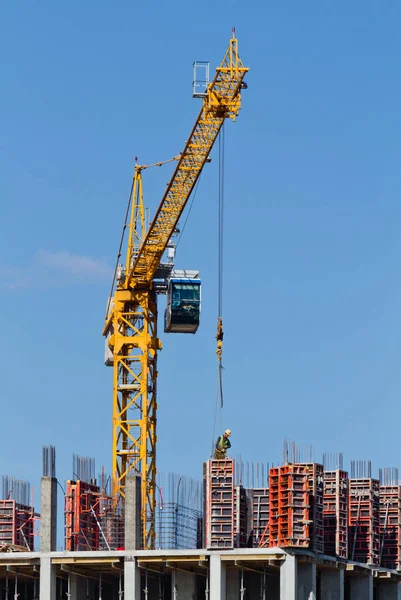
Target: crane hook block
(219, 338)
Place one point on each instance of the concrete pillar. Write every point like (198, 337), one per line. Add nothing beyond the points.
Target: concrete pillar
(361, 587)
(132, 579)
(233, 583)
(133, 529)
(217, 578)
(332, 584)
(306, 581)
(389, 591)
(288, 578)
(48, 514)
(77, 587)
(47, 579)
(183, 585)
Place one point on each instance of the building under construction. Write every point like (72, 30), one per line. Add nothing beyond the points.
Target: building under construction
(308, 530)
(299, 530)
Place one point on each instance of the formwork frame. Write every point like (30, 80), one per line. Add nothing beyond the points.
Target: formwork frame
(390, 526)
(260, 516)
(219, 503)
(336, 513)
(289, 507)
(364, 521)
(81, 516)
(16, 524)
(316, 494)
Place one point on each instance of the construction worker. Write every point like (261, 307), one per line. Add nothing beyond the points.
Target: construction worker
(222, 445)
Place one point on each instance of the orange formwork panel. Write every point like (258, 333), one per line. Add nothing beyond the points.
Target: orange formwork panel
(288, 507)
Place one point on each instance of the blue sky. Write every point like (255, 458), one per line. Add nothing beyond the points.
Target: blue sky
(312, 287)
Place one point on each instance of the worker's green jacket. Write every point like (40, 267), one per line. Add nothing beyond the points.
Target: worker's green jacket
(223, 444)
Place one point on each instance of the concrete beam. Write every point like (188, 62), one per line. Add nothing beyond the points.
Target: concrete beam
(332, 584)
(289, 578)
(133, 529)
(217, 578)
(361, 587)
(47, 585)
(306, 581)
(132, 579)
(48, 514)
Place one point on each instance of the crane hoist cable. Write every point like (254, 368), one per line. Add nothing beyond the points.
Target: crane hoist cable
(220, 332)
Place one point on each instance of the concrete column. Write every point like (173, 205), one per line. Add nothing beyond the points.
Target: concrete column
(306, 581)
(389, 591)
(77, 587)
(183, 585)
(133, 529)
(217, 578)
(232, 584)
(48, 514)
(332, 584)
(47, 579)
(132, 579)
(288, 578)
(361, 587)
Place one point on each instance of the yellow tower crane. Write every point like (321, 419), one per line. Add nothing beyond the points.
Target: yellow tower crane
(132, 341)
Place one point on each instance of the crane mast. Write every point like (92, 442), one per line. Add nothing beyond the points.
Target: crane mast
(132, 341)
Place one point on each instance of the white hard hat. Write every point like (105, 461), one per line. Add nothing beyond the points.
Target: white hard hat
(228, 432)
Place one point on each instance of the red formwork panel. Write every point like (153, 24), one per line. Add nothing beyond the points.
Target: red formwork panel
(219, 503)
(81, 516)
(390, 526)
(16, 524)
(335, 515)
(364, 521)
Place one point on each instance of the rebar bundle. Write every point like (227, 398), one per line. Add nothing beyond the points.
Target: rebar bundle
(16, 489)
(83, 468)
(361, 469)
(49, 461)
(251, 474)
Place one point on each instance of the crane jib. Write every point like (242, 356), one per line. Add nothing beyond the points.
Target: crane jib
(222, 101)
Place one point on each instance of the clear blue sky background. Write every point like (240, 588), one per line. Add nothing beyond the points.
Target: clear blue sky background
(312, 282)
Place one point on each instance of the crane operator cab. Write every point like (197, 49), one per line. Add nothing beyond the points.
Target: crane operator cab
(182, 314)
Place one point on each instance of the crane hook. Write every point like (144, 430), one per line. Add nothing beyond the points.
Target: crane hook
(219, 338)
